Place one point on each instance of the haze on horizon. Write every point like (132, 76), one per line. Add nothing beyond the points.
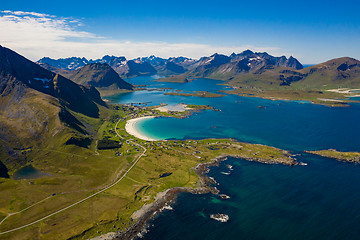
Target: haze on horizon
(312, 32)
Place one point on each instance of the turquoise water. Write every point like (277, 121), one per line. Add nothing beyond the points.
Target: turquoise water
(156, 95)
(287, 125)
(318, 201)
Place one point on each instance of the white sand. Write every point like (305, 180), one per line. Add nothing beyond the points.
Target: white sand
(174, 108)
(344, 90)
(130, 128)
(330, 100)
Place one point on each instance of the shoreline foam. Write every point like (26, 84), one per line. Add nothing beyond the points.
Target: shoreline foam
(131, 129)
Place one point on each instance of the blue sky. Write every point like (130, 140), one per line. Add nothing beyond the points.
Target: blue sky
(311, 31)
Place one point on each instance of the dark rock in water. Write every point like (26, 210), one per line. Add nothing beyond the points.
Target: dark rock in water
(224, 196)
(229, 167)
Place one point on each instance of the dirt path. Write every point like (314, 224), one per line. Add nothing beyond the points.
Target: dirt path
(80, 201)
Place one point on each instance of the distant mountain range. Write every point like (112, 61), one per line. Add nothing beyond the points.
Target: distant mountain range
(204, 67)
(247, 69)
(144, 66)
(262, 71)
(40, 105)
(336, 73)
(219, 65)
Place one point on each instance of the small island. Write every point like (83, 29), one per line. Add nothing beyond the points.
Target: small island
(220, 217)
(351, 157)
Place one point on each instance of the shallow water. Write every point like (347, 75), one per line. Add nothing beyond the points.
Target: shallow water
(287, 125)
(292, 125)
(318, 201)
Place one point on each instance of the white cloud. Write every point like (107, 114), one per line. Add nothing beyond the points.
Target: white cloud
(21, 13)
(36, 35)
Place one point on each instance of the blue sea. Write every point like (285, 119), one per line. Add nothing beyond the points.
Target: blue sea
(317, 201)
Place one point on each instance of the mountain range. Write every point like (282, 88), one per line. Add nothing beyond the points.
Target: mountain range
(40, 106)
(248, 69)
(336, 73)
(173, 66)
(144, 66)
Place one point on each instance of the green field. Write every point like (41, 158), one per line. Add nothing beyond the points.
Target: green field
(77, 173)
(352, 157)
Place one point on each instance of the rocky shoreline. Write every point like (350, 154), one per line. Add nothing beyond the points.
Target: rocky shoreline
(205, 183)
(162, 199)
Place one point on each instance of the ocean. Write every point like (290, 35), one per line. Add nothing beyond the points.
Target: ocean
(317, 201)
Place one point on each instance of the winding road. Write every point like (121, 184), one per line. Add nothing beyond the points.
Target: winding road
(80, 201)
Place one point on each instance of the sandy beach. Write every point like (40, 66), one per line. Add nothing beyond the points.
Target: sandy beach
(174, 108)
(351, 92)
(130, 128)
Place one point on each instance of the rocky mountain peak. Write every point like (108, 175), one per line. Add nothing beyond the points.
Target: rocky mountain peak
(247, 52)
(99, 75)
(108, 59)
(293, 63)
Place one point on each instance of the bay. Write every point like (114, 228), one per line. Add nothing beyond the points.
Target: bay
(317, 201)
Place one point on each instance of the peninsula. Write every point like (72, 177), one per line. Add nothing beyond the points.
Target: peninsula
(92, 156)
(131, 177)
(351, 157)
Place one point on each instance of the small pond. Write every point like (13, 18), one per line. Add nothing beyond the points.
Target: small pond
(28, 172)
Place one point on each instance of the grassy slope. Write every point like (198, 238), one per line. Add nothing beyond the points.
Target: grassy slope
(353, 157)
(26, 122)
(77, 172)
(327, 75)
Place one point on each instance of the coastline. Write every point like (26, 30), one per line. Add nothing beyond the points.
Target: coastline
(162, 199)
(144, 214)
(131, 129)
(329, 102)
